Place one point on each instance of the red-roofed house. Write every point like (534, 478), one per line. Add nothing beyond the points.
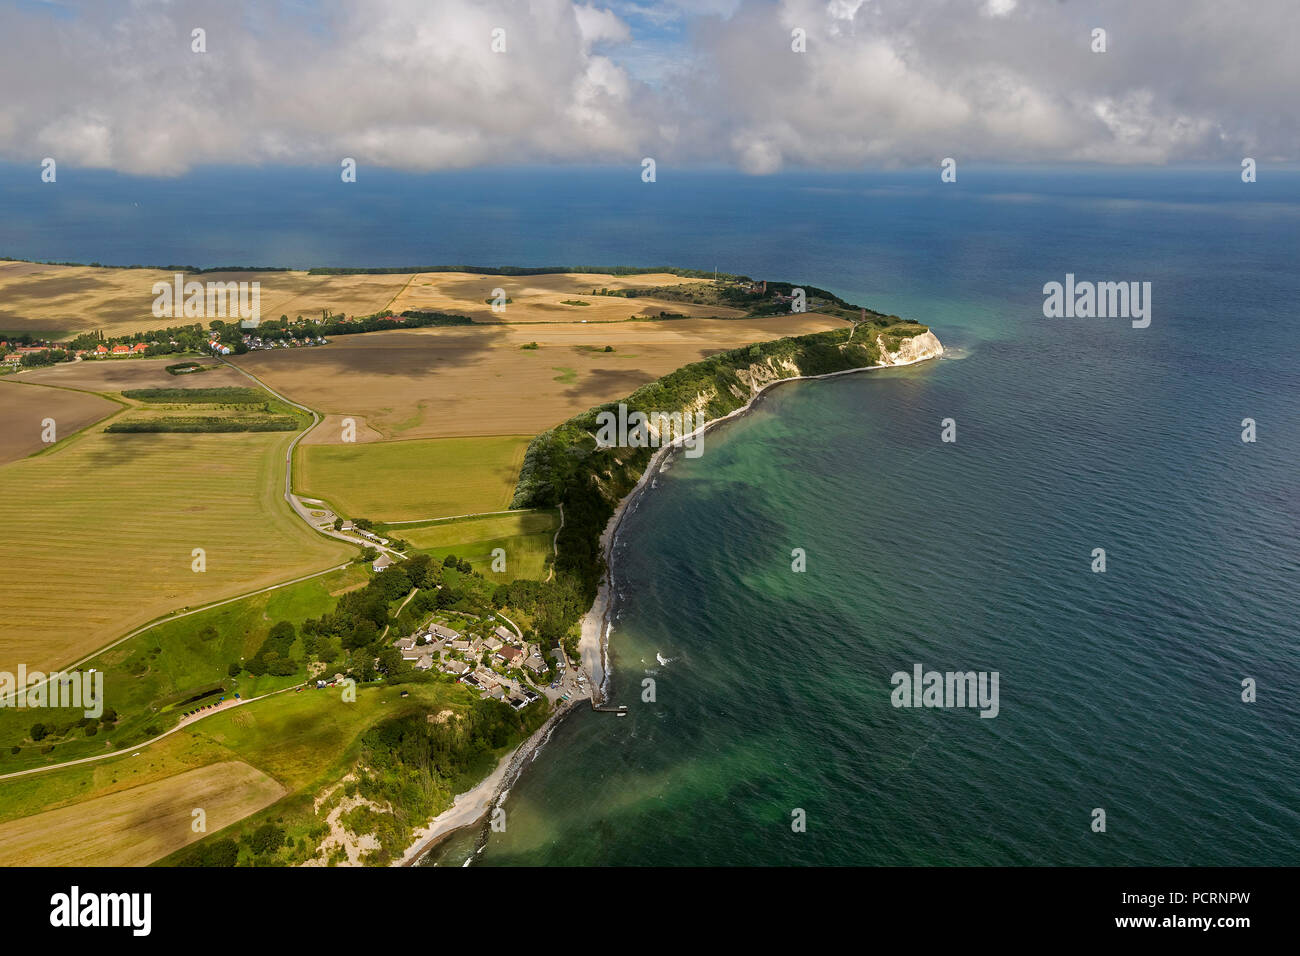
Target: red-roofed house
(139, 348)
(101, 349)
(121, 350)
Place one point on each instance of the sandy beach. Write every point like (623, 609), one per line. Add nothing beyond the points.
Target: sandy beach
(470, 807)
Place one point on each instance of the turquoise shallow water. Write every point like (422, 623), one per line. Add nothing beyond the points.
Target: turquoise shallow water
(1118, 690)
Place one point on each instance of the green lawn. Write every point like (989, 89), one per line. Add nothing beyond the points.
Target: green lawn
(299, 737)
(421, 478)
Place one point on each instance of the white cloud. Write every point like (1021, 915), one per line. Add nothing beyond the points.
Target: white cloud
(909, 82)
(998, 8)
(413, 84)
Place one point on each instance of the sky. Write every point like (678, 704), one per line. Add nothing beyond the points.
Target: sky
(755, 85)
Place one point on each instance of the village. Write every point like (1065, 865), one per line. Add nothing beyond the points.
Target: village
(14, 354)
(488, 658)
(255, 342)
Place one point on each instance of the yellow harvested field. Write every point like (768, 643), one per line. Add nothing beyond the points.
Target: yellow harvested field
(117, 375)
(25, 408)
(478, 380)
(104, 540)
(330, 431)
(158, 817)
(547, 298)
(66, 300)
(404, 480)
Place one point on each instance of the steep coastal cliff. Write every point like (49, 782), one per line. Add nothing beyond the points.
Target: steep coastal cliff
(568, 466)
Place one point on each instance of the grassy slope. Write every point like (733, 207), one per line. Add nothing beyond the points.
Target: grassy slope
(147, 678)
(304, 740)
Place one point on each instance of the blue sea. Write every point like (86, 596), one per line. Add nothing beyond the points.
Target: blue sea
(1119, 691)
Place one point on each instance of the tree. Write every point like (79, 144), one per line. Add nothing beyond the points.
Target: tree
(234, 669)
(39, 731)
(266, 839)
(219, 853)
(364, 665)
(362, 635)
(391, 661)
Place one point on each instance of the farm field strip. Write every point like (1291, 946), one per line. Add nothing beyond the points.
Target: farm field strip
(466, 381)
(525, 536)
(27, 407)
(390, 481)
(66, 300)
(157, 815)
(105, 540)
(560, 297)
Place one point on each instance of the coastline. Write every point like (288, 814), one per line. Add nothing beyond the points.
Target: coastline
(597, 623)
(472, 806)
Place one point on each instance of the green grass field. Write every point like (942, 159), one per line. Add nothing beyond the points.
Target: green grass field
(297, 738)
(421, 478)
(149, 679)
(104, 539)
(525, 536)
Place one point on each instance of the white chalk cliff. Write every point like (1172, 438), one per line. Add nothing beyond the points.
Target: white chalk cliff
(918, 348)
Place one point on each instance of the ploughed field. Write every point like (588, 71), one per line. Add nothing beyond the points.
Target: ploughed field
(120, 374)
(61, 301)
(157, 815)
(26, 409)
